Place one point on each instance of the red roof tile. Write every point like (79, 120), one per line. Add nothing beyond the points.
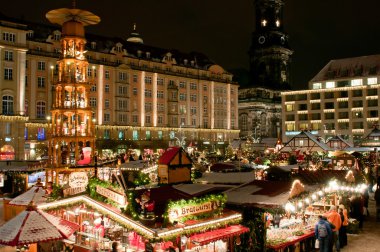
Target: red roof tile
(168, 155)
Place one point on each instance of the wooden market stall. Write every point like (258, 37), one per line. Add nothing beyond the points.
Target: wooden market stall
(174, 166)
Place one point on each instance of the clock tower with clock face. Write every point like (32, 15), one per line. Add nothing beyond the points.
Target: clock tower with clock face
(270, 54)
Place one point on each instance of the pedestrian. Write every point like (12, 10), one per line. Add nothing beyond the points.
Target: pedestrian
(322, 234)
(365, 197)
(357, 205)
(334, 218)
(343, 228)
(377, 198)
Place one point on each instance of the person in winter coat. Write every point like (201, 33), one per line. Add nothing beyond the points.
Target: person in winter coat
(334, 218)
(343, 228)
(323, 234)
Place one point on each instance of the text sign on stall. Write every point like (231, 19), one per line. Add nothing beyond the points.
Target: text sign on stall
(114, 196)
(78, 179)
(177, 213)
(73, 190)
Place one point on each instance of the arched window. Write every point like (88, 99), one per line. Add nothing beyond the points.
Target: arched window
(244, 122)
(41, 110)
(7, 105)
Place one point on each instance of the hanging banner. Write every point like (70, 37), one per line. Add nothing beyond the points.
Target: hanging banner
(114, 196)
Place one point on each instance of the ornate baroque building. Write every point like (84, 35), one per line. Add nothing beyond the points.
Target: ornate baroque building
(140, 96)
(270, 56)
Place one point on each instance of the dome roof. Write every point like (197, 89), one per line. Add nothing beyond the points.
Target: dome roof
(135, 37)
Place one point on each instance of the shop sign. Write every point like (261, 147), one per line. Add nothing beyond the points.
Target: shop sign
(179, 212)
(78, 179)
(73, 190)
(118, 198)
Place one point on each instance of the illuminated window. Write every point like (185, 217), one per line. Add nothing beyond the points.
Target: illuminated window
(372, 81)
(290, 127)
(278, 23)
(357, 82)
(264, 23)
(7, 105)
(159, 133)
(317, 85)
(330, 84)
(135, 135)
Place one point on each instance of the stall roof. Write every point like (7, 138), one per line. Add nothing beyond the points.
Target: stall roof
(194, 226)
(320, 177)
(260, 193)
(219, 234)
(232, 178)
(202, 189)
(311, 144)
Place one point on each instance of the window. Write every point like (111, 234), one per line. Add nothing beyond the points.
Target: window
(123, 90)
(107, 117)
(8, 74)
(357, 93)
(343, 115)
(244, 122)
(7, 105)
(357, 104)
(329, 105)
(356, 82)
(148, 93)
(26, 80)
(343, 126)
(183, 121)
(372, 91)
(160, 120)
(193, 86)
(135, 135)
(159, 134)
(107, 134)
(315, 106)
(204, 87)
(148, 106)
(317, 85)
(193, 97)
(182, 97)
(205, 123)
(135, 118)
(123, 118)
(41, 65)
(107, 103)
(160, 81)
(147, 135)
(8, 55)
(372, 103)
(193, 110)
(290, 118)
(302, 117)
(330, 84)
(92, 102)
(135, 78)
(372, 81)
(10, 37)
(373, 113)
(93, 88)
(123, 105)
(41, 110)
(57, 36)
(134, 91)
(302, 106)
(160, 94)
(316, 116)
(40, 82)
(147, 119)
(107, 88)
(343, 104)
(122, 76)
(107, 74)
(182, 84)
(315, 96)
(160, 107)
(329, 116)
(148, 80)
(329, 95)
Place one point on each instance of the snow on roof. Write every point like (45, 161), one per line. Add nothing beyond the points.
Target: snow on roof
(226, 178)
(35, 226)
(319, 145)
(338, 66)
(35, 194)
(260, 192)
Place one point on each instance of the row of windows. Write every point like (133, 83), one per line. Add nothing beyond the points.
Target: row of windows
(331, 126)
(8, 107)
(344, 83)
(333, 95)
(331, 105)
(333, 116)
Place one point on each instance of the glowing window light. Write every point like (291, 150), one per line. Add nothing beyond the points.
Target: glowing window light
(330, 84)
(356, 82)
(317, 85)
(372, 81)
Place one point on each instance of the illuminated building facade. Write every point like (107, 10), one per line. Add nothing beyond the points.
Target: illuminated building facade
(142, 96)
(342, 99)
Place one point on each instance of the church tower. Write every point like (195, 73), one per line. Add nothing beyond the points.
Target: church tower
(270, 54)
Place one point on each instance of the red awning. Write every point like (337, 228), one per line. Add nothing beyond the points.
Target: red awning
(218, 234)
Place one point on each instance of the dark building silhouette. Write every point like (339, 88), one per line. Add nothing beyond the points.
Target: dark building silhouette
(270, 54)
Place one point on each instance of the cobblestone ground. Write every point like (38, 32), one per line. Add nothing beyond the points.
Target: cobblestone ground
(368, 239)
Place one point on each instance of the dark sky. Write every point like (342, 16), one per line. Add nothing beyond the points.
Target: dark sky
(319, 30)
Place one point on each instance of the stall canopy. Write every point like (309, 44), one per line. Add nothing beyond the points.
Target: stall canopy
(35, 194)
(34, 225)
(219, 234)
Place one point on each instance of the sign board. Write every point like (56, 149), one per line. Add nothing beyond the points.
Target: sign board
(78, 179)
(109, 194)
(73, 190)
(177, 213)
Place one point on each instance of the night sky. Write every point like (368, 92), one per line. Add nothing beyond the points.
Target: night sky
(319, 30)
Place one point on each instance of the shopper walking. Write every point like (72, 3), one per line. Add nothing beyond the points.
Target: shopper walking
(322, 234)
(343, 228)
(377, 198)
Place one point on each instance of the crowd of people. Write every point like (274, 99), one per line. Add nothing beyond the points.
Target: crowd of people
(331, 228)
